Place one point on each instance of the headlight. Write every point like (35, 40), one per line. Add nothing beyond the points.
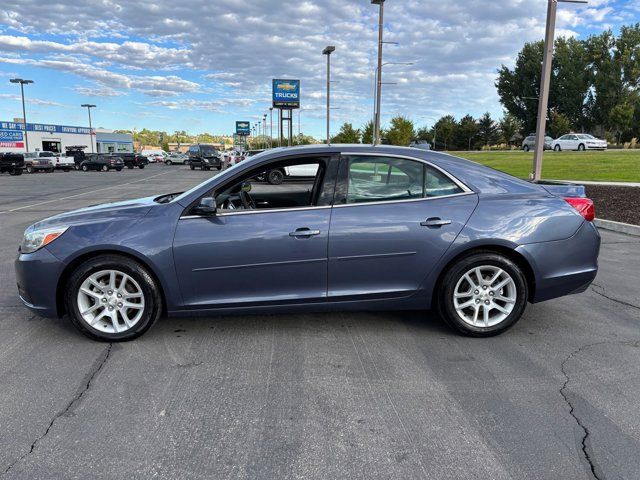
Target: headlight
(36, 239)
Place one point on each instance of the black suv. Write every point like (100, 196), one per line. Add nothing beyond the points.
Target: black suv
(131, 160)
(104, 163)
(12, 163)
(204, 157)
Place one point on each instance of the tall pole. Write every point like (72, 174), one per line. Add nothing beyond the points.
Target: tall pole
(328, 51)
(89, 107)
(376, 126)
(22, 83)
(271, 127)
(545, 82)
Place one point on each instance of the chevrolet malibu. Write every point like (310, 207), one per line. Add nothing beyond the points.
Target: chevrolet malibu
(377, 228)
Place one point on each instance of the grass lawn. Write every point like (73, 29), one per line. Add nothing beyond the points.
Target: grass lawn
(611, 165)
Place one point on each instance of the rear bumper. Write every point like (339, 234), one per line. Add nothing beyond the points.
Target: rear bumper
(564, 267)
(37, 277)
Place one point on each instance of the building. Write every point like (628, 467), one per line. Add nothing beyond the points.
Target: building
(55, 138)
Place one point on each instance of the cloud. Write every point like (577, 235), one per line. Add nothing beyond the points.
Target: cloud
(98, 92)
(32, 101)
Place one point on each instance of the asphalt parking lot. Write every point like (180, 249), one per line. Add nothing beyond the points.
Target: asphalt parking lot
(322, 396)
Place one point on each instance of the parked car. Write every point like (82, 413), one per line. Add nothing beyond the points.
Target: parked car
(104, 163)
(278, 175)
(378, 228)
(78, 154)
(579, 141)
(529, 143)
(234, 157)
(204, 157)
(13, 163)
(132, 160)
(63, 162)
(176, 158)
(154, 156)
(39, 162)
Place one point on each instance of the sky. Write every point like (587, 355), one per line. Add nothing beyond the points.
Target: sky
(200, 65)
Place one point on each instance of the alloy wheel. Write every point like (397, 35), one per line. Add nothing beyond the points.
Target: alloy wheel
(110, 301)
(485, 296)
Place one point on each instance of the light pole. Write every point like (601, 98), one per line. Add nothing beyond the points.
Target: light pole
(328, 50)
(89, 107)
(270, 127)
(375, 83)
(22, 83)
(264, 129)
(376, 123)
(543, 101)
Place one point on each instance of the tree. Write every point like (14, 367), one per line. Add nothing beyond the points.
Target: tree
(487, 129)
(467, 130)
(559, 125)
(367, 132)
(401, 132)
(510, 128)
(347, 134)
(444, 130)
(621, 118)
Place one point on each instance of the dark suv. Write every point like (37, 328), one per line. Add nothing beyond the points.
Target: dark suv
(12, 163)
(204, 157)
(104, 163)
(131, 160)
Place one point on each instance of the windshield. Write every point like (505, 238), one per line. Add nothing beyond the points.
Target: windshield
(208, 151)
(46, 154)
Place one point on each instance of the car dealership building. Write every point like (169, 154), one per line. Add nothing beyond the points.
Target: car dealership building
(56, 138)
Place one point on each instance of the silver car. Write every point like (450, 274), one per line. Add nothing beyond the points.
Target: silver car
(529, 143)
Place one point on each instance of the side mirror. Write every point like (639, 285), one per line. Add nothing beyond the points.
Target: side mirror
(207, 207)
(246, 187)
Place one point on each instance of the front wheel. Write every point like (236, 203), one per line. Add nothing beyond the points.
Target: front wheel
(30, 169)
(581, 148)
(85, 168)
(141, 167)
(525, 148)
(275, 177)
(557, 148)
(483, 295)
(112, 298)
(168, 162)
(105, 168)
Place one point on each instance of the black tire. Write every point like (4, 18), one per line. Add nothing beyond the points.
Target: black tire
(168, 162)
(558, 148)
(581, 147)
(192, 166)
(15, 172)
(525, 148)
(30, 169)
(141, 167)
(84, 168)
(150, 290)
(105, 168)
(456, 272)
(219, 167)
(118, 169)
(275, 177)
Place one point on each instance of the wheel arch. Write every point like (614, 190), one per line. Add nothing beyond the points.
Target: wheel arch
(504, 250)
(77, 261)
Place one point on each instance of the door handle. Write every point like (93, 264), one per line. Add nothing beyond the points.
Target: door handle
(435, 222)
(304, 233)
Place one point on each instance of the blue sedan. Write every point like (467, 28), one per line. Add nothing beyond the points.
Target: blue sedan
(384, 228)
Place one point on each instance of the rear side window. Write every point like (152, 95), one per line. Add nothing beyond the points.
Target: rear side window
(387, 179)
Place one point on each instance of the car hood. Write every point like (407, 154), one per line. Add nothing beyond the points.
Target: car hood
(99, 213)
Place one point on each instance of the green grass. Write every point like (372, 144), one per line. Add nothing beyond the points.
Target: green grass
(612, 165)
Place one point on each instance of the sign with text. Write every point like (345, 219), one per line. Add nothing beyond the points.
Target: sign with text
(38, 127)
(243, 128)
(286, 93)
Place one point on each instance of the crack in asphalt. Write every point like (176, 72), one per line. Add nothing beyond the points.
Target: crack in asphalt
(600, 290)
(71, 406)
(585, 444)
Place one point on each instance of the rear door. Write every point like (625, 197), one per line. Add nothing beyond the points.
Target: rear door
(393, 219)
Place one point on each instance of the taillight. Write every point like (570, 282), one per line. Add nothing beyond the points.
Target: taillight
(584, 206)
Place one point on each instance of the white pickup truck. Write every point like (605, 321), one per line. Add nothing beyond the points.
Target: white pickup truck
(63, 162)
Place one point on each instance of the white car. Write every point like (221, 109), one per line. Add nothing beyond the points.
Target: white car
(278, 175)
(578, 141)
(63, 162)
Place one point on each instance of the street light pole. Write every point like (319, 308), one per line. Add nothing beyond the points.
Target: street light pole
(89, 107)
(543, 101)
(328, 51)
(22, 83)
(376, 123)
(271, 127)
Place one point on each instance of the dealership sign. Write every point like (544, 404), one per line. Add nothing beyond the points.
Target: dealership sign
(286, 93)
(243, 128)
(11, 139)
(39, 127)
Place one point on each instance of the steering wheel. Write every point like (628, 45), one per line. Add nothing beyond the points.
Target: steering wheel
(247, 201)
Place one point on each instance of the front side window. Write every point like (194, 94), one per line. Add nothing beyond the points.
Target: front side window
(386, 179)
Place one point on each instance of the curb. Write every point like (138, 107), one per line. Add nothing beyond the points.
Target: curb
(618, 227)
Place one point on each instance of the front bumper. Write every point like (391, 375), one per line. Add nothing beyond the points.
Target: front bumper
(37, 276)
(564, 267)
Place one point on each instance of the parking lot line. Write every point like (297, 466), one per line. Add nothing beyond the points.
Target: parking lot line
(81, 194)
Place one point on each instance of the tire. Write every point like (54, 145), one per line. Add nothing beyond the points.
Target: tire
(581, 147)
(118, 169)
(76, 167)
(30, 169)
(275, 177)
(219, 168)
(141, 167)
(526, 148)
(84, 168)
(191, 166)
(105, 168)
(557, 148)
(168, 162)
(148, 305)
(15, 172)
(455, 282)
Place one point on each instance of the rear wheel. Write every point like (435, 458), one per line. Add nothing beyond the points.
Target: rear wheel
(168, 162)
(140, 167)
(30, 169)
(483, 294)
(525, 148)
(275, 177)
(84, 168)
(16, 172)
(558, 148)
(112, 298)
(105, 168)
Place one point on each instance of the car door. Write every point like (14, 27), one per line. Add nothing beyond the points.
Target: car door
(393, 219)
(258, 257)
(572, 142)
